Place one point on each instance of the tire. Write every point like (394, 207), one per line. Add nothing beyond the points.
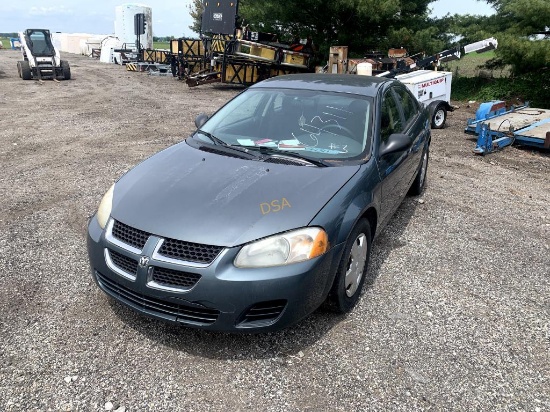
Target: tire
(420, 181)
(66, 69)
(19, 69)
(26, 73)
(439, 117)
(352, 269)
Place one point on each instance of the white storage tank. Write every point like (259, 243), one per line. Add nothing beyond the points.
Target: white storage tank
(124, 24)
(364, 69)
(108, 47)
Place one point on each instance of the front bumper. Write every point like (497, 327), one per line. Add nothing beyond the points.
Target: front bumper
(224, 298)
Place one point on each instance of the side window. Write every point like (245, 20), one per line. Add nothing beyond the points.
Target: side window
(409, 104)
(390, 118)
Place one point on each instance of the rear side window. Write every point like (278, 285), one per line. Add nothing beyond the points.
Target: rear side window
(408, 102)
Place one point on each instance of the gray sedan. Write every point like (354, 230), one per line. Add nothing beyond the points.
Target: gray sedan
(268, 210)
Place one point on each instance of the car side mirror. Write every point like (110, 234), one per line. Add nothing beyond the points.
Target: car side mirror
(397, 142)
(200, 120)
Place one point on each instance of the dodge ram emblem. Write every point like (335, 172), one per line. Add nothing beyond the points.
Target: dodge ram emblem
(143, 261)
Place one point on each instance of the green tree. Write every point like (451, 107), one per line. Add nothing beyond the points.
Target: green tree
(514, 24)
(517, 46)
(195, 10)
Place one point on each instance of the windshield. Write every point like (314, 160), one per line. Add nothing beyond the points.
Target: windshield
(40, 43)
(316, 124)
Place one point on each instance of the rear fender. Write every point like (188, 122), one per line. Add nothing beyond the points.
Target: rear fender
(436, 103)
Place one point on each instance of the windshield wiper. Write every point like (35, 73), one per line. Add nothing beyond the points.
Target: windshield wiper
(213, 138)
(228, 147)
(297, 155)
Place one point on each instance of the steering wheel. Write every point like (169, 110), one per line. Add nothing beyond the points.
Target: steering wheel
(339, 129)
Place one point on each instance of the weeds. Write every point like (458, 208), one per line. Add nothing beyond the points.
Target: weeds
(532, 87)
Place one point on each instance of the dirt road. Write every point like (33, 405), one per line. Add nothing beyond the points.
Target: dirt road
(456, 316)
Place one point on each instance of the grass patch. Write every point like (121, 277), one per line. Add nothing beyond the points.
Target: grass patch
(161, 45)
(472, 82)
(470, 65)
(5, 42)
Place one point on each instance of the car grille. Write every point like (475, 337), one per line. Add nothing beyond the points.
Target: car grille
(129, 235)
(124, 262)
(263, 312)
(191, 252)
(169, 277)
(195, 315)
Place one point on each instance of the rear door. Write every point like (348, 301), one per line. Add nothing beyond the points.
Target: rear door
(412, 127)
(392, 167)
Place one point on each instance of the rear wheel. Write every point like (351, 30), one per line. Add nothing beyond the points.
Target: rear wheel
(353, 267)
(26, 73)
(420, 180)
(439, 117)
(66, 69)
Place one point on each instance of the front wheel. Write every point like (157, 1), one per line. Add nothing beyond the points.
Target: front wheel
(439, 118)
(353, 267)
(26, 72)
(66, 69)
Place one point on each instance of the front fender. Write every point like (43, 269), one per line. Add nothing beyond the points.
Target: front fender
(346, 207)
(341, 213)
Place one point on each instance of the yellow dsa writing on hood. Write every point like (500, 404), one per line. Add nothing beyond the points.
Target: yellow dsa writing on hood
(274, 206)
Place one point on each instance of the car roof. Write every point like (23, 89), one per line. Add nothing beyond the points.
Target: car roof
(342, 83)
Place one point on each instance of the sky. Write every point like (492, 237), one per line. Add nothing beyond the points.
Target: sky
(170, 17)
(441, 7)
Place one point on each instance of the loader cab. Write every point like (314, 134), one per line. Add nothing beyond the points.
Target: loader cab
(39, 42)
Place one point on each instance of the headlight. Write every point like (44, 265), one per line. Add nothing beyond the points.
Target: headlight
(284, 249)
(105, 207)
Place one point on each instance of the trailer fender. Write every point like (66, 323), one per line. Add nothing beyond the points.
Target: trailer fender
(438, 113)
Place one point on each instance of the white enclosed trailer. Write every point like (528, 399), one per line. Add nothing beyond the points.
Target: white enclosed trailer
(433, 89)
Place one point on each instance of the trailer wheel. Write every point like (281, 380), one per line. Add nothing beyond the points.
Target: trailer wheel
(66, 69)
(439, 117)
(26, 73)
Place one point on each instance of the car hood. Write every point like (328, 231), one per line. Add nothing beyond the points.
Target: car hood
(189, 194)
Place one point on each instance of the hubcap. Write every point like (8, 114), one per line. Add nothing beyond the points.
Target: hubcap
(356, 264)
(439, 118)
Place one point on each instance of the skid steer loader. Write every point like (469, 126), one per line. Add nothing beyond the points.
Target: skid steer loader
(41, 59)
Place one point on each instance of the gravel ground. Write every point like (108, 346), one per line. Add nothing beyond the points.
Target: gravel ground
(456, 315)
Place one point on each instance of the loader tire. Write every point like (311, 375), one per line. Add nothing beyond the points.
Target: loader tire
(26, 73)
(66, 69)
(19, 69)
